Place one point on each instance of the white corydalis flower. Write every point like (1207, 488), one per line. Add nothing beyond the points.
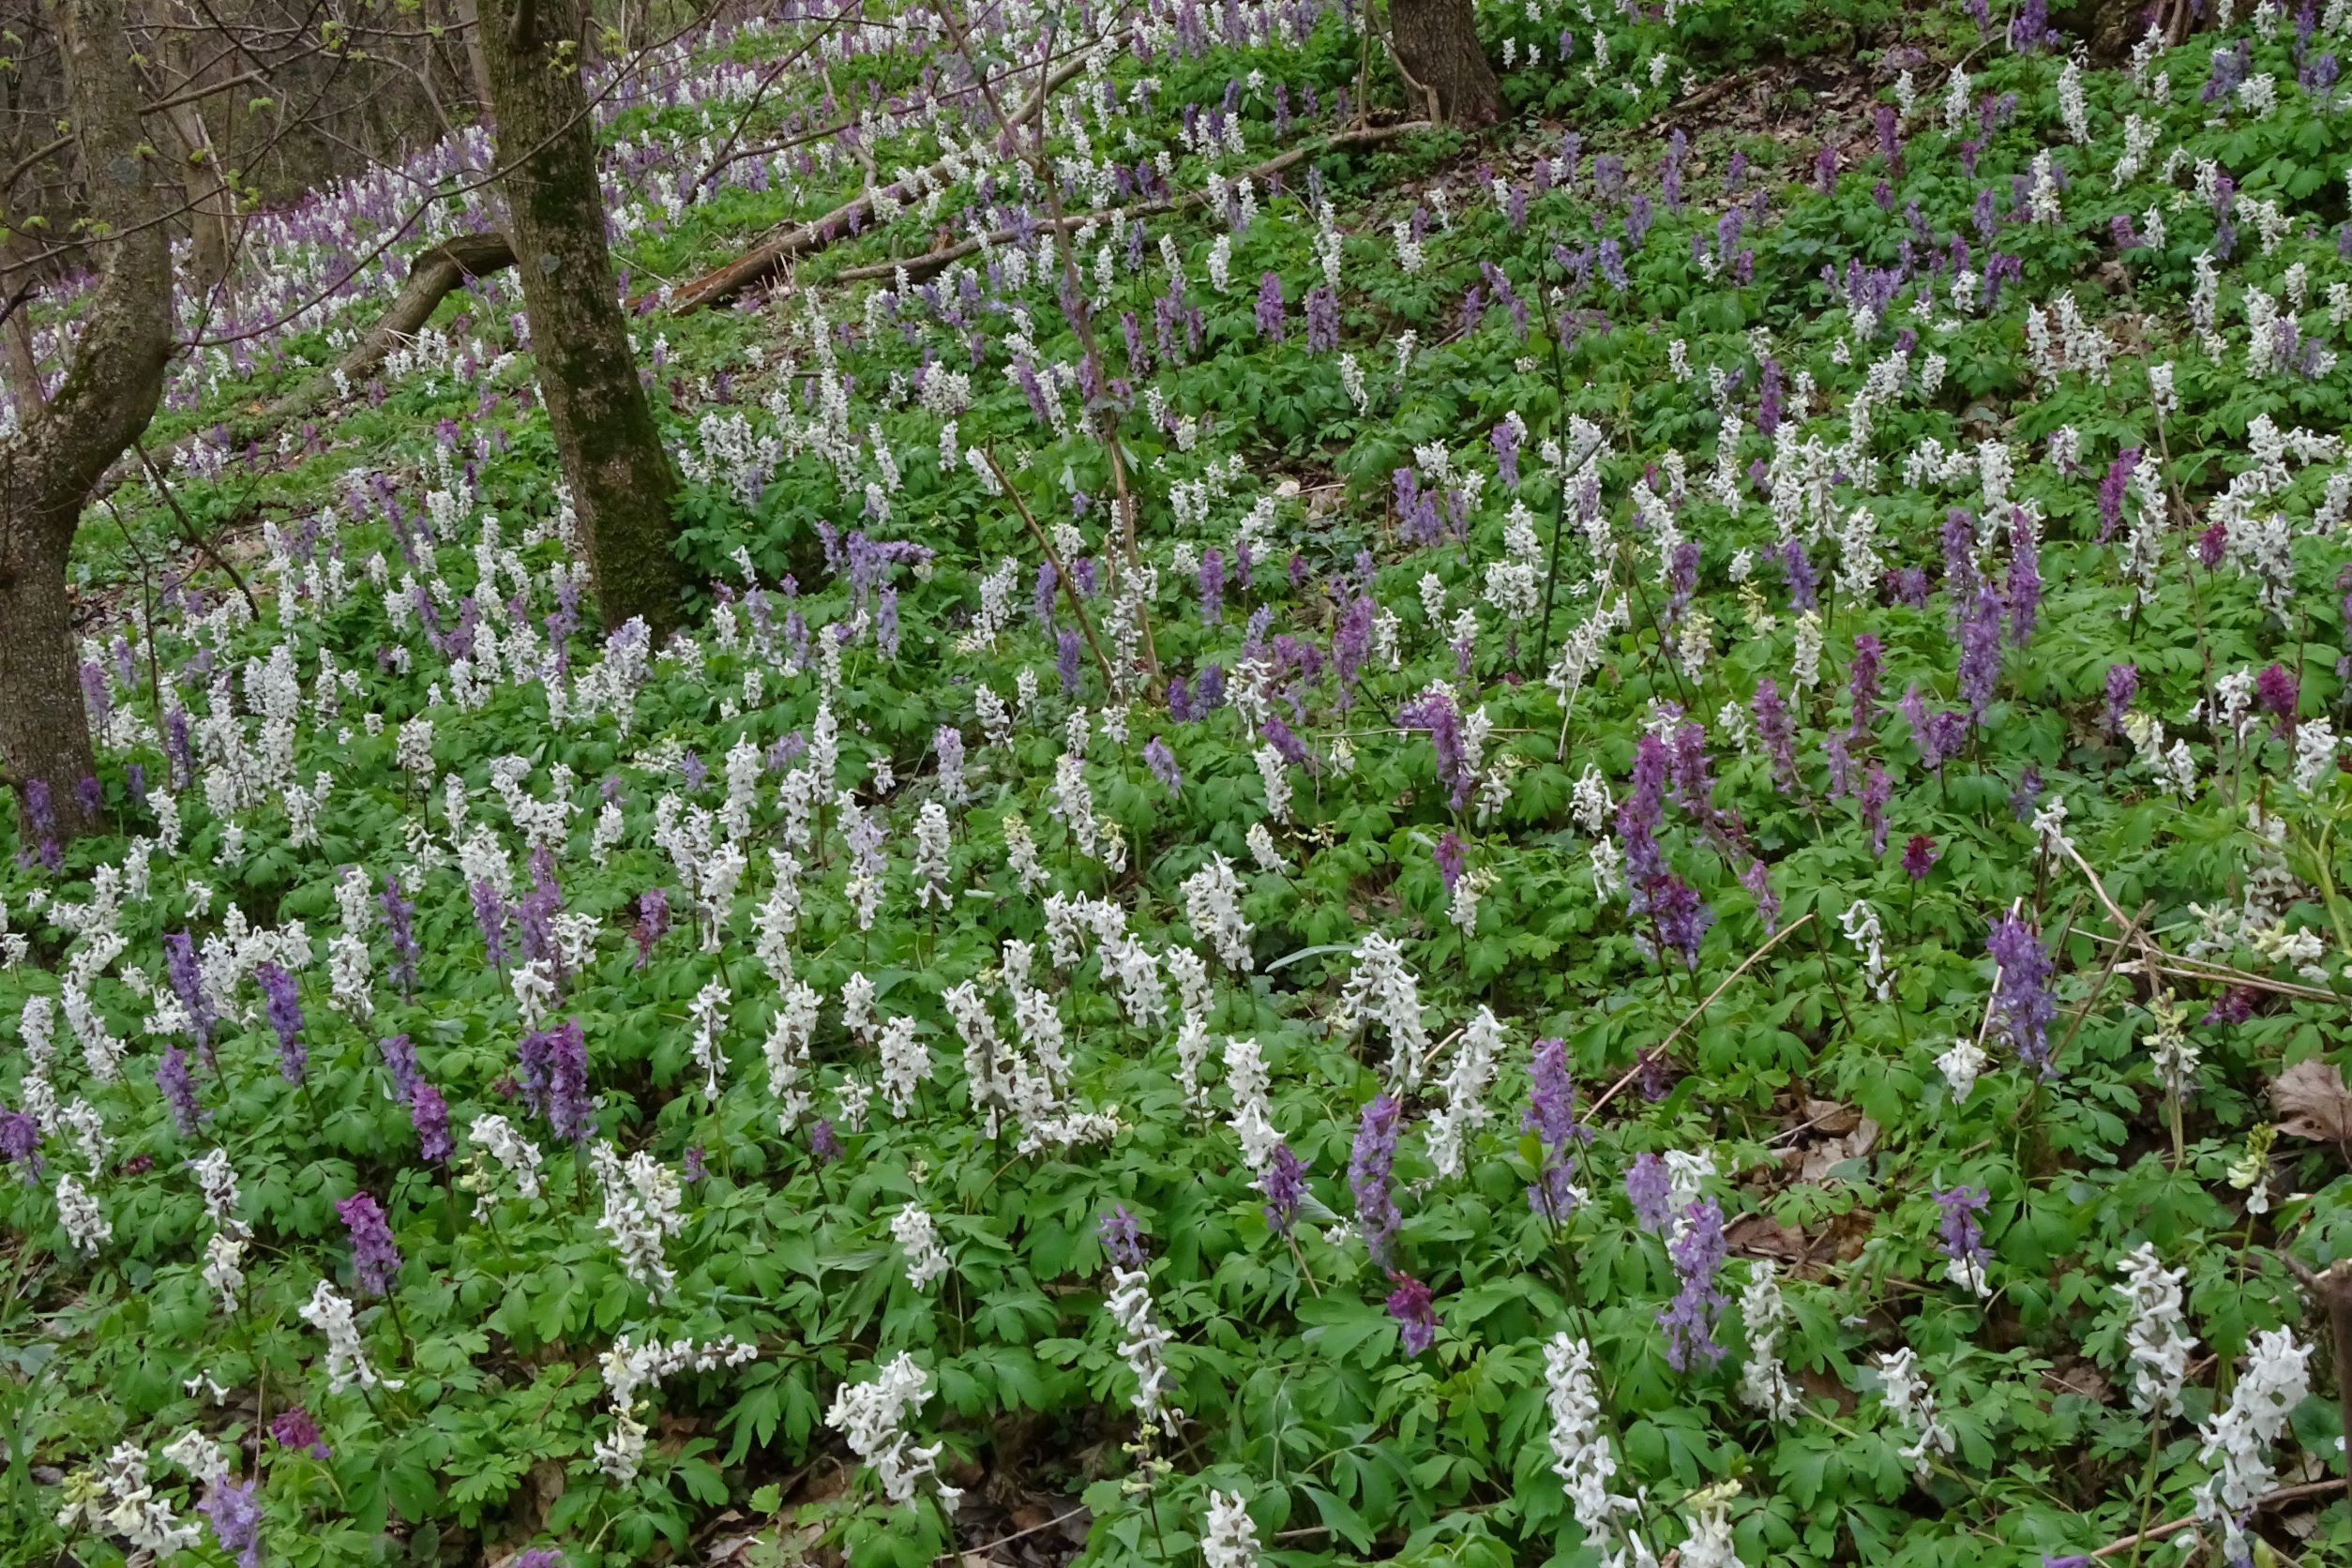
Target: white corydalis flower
(1232, 1538)
(2156, 1334)
(1581, 1456)
(1764, 1381)
(2237, 1441)
(642, 1198)
(347, 1359)
(1465, 1085)
(1142, 1345)
(1912, 1403)
(1213, 906)
(918, 1239)
(1380, 988)
(871, 1418)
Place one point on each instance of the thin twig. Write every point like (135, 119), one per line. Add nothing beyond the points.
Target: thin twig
(1774, 941)
(1068, 588)
(2272, 1500)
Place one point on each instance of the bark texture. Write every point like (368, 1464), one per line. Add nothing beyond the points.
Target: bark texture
(1437, 43)
(50, 465)
(621, 479)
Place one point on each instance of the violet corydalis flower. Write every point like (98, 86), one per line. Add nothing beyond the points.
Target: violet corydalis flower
(1121, 1238)
(1162, 762)
(2124, 684)
(1416, 1314)
(236, 1511)
(1690, 1319)
(552, 1067)
(1370, 1166)
(375, 1258)
(1284, 1183)
(1918, 856)
(187, 983)
(282, 1006)
(428, 1113)
(2021, 995)
(1962, 1237)
(1649, 1189)
(178, 1087)
(297, 1432)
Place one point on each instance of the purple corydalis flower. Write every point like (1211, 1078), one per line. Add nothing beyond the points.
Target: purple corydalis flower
(1962, 1237)
(2025, 583)
(1270, 306)
(1648, 1189)
(1065, 664)
(1415, 1313)
(1451, 859)
(400, 1060)
(178, 1086)
(2276, 693)
(375, 1258)
(1122, 1237)
(2028, 795)
(1876, 790)
(1980, 652)
(2021, 993)
(1284, 1183)
(399, 917)
(490, 918)
(187, 983)
(822, 1141)
(428, 1113)
(1804, 586)
(551, 1068)
(1213, 585)
(1162, 762)
(282, 1006)
(295, 1431)
(1690, 1319)
(20, 1141)
(1862, 682)
(1777, 731)
(653, 920)
(1919, 855)
(1551, 1116)
(1504, 438)
(2124, 684)
(1370, 1165)
(1437, 714)
(235, 1512)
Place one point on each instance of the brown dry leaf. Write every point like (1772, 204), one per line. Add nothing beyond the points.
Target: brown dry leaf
(2314, 1102)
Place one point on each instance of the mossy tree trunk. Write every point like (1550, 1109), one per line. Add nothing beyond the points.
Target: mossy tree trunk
(53, 461)
(621, 479)
(1437, 43)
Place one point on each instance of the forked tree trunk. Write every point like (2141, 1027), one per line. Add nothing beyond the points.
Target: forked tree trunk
(51, 463)
(1437, 43)
(621, 480)
(211, 207)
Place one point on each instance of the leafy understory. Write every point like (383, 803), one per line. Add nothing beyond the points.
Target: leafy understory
(1617, 841)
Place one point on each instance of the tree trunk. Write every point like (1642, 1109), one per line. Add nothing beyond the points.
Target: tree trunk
(211, 208)
(50, 464)
(1437, 43)
(621, 479)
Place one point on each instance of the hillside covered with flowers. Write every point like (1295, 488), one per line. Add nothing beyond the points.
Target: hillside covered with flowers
(1608, 842)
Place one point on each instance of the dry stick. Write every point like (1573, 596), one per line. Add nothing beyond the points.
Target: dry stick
(756, 264)
(189, 527)
(1068, 588)
(932, 263)
(1774, 941)
(2099, 990)
(2186, 968)
(2272, 1500)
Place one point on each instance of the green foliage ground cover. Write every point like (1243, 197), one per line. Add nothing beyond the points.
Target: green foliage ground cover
(1740, 414)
